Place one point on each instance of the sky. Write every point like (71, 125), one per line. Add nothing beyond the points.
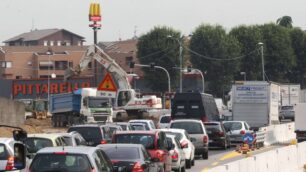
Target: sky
(121, 19)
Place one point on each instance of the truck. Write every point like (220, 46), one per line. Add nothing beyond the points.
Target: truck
(80, 106)
(256, 102)
(300, 121)
(290, 94)
(127, 103)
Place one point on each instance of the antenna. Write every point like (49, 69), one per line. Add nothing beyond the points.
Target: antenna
(120, 35)
(32, 24)
(135, 32)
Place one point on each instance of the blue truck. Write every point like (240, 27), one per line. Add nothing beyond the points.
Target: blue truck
(80, 106)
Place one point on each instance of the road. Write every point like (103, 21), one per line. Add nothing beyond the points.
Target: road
(220, 157)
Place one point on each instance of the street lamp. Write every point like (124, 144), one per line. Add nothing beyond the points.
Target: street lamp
(202, 76)
(49, 54)
(180, 58)
(244, 74)
(262, 61)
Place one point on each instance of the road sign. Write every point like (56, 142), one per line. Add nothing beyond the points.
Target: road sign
(107, 84)
(248, 138)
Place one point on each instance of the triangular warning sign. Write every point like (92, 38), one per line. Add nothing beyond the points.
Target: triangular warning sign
(107, 84)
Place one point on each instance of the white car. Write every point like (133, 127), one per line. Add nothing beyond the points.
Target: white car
(236, 130)
(177, 154)
(149, 123)
(164, 121)
(185, 143)
(6, 154)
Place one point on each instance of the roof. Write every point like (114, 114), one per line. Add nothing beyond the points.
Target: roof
(6, 139)
(137, 132)
(141, 120)
(38, 34)
(172, 130)
(186, 120)
(120, 145)
(69, 149)
(51, 136)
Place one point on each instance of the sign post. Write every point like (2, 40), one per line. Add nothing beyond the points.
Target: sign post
(107, 87)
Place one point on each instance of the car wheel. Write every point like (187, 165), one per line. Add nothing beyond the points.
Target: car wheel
(162, 169)
(192, 162)
(188, 163)
(205, 155)
(225, 145)
(183, 169)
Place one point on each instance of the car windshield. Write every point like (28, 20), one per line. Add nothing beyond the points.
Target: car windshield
(88, 133)
(190, 127)
(230, 126)
(287, 107)
(122, 153)
(60, 163)
(34, 144)
(145, 139)
(165, 119)
(178, 136)
(98, 103)
(3, 152)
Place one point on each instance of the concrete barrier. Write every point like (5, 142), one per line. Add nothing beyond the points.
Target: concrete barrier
(279, 134)
(11, 112)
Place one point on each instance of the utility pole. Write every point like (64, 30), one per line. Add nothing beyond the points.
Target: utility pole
(262, 60)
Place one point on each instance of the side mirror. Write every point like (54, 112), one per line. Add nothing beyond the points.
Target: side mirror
(192, 139)
(19, 156)
(184, 145)
(20, 135)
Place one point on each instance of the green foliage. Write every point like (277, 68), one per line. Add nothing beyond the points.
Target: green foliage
(249, 37)
(285, 21)
(212, 41)
(157, 47)
(278, 53)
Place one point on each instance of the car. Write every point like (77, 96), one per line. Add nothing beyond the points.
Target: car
(94, 134)
(139, 126)
(287, 112)
(124, 125)
(236, 130)
(113, 128)
(197, 132)
(217, 134)
(164, 121)
(130, 157)
(71, 159)
(149, 123)
(35, 142)
(185, 143)
(74, 139)
(177, 155)
(154, 141)
(6, 154)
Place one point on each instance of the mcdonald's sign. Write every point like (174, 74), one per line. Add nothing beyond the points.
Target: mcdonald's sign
(94, 12)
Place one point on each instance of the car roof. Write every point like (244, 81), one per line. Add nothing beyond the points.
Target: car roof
(172, 130)
(121, 123)
(5, 140)
(167, 114)
(186, 120)
(136, 123)
(120, 145)
(88, 125)
(140, 120)
(68, 149)
(137, 132)
(212, 122)
(45, 135)
(233, 121)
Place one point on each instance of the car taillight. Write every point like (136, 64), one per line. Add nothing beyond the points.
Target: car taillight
(137, 167)
(93, 170)
(221, 133)
(242, 132)
(10, 163)
(204, 118)
(174, 156)
(205, 139)
(103, 142)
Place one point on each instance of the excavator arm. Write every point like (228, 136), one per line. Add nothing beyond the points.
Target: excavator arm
(96, 53)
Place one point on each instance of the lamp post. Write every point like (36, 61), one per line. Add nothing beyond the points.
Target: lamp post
(49, 55)
(181, 60)
(244, 75)
(262, 60)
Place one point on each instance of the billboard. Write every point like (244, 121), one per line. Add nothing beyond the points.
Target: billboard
(250, 94)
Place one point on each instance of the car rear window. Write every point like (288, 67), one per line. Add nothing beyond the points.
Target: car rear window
(287, 107)
(190, 127)
(146, 124)
(34, 144)
(138, 127)
(3, 152)
(123, 127)
(88, 133)
(60, 163)
(145, 139)
(229, 126)
(214, 127)
(122, 153)
(165, 119)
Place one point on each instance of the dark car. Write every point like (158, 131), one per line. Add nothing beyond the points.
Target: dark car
(94, 134)
(154, 141)
(130, 157)
(125, 126)
(217, 135)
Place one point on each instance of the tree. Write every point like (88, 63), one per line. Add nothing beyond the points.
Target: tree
(249, 37)
(156, 46)
(285, 21)
(213, 49)
(278, 54)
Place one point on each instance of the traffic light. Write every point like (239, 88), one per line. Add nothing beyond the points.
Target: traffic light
(132, 64)
(189, 68)
(152, 66)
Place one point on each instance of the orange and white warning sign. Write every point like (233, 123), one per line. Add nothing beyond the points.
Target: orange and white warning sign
(107, 84)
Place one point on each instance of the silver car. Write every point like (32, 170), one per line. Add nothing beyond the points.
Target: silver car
(236, 130)
(177, 154)
(197, 133)
(6, 154)
(287, 112)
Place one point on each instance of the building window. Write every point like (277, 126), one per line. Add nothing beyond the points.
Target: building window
(61, 65)
(59, 43)
(89, 65)
(18, 77)
(6, 64)
(45, 43)
(45, 65)
(68, 44)
(29, 63)
(43, 76)
(71, 64)
(51, 43)
(128, 60)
